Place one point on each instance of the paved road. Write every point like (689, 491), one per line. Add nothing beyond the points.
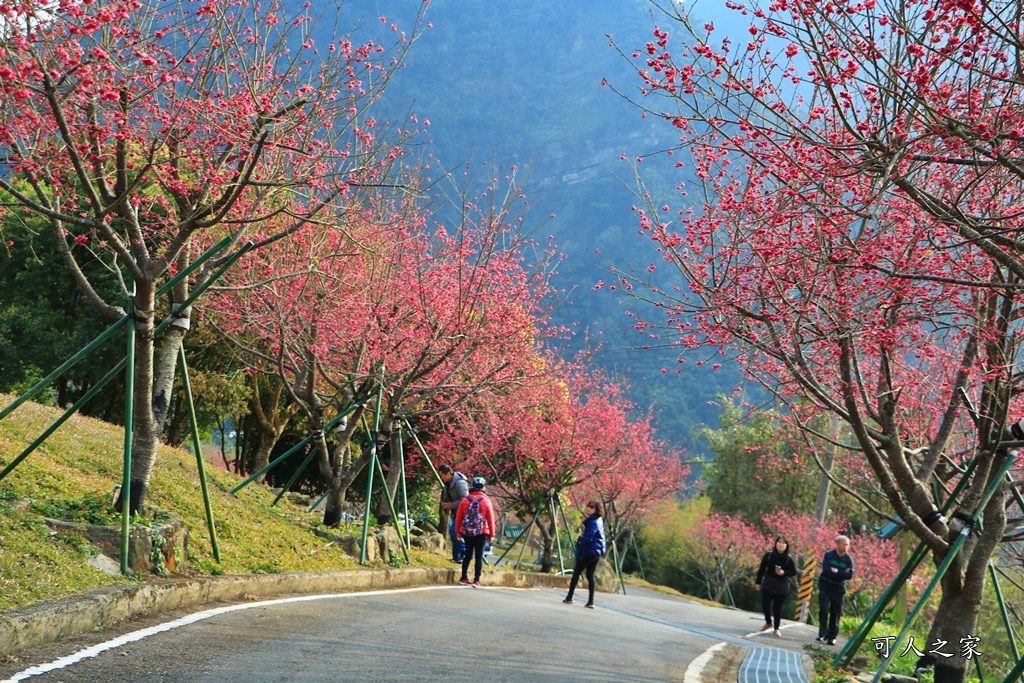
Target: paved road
(434, 634)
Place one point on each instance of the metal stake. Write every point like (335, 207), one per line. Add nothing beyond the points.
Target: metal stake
(129, 421)
(369, 483)
(200, 464)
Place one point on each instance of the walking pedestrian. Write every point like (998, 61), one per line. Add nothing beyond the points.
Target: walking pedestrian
(475, 524)
(836, 570)
(773, 582)
(456, 487)
(590, 547)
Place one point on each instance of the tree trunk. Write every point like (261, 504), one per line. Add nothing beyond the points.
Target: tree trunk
(267, 440)
(963, 588)
(396, 469)
(146, 432)
(548, 537)
(337, 476)
(164, 369)
(176, 430)
(339, 486)
(333, 505)
(272, 420)
(955, 619)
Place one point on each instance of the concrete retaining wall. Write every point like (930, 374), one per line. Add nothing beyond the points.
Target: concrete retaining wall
(103, 607)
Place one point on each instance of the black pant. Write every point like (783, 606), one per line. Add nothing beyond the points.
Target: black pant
(830, 608)
(474, 548)
(771, 603)
(588, 565)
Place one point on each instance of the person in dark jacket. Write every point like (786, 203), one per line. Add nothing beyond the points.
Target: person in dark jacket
(590, 548)
(836, 570)
(456, 487)
(773, 582)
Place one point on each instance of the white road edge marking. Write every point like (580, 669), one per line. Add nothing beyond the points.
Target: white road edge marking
(91, 652)
(696, 667)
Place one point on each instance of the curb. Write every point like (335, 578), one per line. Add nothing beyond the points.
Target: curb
(696, 668)
(101, 608)
(723, 665)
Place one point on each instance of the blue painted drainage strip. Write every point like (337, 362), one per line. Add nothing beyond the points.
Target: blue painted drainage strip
(772, 665)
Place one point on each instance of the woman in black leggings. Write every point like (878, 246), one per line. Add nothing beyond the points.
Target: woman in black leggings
(589, 550)
(773, 582)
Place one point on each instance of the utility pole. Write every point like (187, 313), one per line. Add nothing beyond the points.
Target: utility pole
(821, 504)
(820, 512)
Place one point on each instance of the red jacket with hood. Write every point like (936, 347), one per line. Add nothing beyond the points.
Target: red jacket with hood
(486, 510)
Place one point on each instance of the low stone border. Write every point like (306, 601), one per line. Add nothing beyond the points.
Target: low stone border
(103, 607)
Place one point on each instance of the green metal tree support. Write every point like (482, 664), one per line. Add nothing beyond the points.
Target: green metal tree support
(369, 484)
(109, 332)
(128, 364)
(129, 424)
(120, 365)
(197, 444)
(284, 456)
(846, 654)
(423, 452)
(402, 533)
(523, 536)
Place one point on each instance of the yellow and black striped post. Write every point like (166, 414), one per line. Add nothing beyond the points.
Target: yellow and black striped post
(804, 596)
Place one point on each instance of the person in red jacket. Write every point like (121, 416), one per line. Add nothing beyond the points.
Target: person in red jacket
(475, 524)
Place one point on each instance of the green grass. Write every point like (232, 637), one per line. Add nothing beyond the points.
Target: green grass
(73, 475)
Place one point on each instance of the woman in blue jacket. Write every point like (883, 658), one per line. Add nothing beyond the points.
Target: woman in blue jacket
(589, 550)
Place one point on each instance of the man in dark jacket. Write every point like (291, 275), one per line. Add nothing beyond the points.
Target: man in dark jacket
(836, 570)
(456, 487)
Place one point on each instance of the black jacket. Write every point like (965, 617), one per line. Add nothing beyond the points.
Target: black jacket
(766, 576)
(835, 581)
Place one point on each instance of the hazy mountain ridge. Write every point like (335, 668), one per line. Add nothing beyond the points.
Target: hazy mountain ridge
(522, 81)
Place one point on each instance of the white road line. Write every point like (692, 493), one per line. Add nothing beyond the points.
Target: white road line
(696, 667)
(135, 636)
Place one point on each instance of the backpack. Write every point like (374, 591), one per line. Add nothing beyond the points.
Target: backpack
(473, 520)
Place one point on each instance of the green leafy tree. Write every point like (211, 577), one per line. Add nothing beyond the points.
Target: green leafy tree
(756, 469)
(44, 320)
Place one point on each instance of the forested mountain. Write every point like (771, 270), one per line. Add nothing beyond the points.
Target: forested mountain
(520, 82)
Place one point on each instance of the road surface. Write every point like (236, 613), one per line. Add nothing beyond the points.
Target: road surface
(429, 634)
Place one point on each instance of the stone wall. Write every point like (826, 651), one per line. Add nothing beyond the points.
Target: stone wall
(159, 548)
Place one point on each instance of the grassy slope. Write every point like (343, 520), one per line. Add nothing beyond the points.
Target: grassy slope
(84, 458)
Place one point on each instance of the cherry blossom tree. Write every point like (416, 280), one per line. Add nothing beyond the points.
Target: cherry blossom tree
(723, 551)
(566, 434)
(381, 304)
(145, 132)
(645, 473)
(295, 308)
(855, 235)
(469, 312)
